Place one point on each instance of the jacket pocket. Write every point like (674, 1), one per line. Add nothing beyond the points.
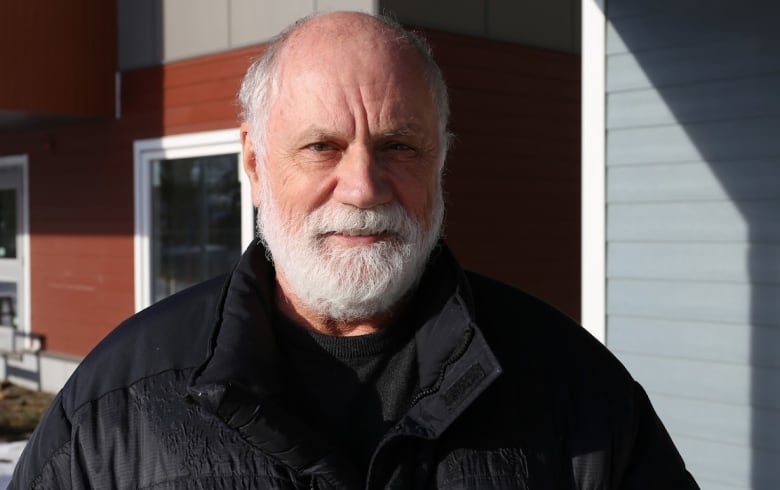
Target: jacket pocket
(500, 469)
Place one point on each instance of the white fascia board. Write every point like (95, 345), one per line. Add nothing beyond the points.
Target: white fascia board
(593, 253)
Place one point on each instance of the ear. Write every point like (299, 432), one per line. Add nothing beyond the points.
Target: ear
(250, 163)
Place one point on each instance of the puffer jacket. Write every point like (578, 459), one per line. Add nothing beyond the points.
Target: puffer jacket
(187, 395)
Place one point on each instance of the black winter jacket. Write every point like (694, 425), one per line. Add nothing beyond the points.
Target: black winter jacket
(186, 395)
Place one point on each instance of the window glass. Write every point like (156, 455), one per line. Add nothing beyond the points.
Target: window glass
(7, 223)
(8, 304)
(196, 221)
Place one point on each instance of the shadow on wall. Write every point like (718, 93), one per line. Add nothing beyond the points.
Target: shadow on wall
(713, 103)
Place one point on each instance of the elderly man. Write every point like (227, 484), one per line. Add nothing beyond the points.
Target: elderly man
(347, 349)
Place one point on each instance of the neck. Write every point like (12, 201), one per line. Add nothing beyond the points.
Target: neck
(294, 309)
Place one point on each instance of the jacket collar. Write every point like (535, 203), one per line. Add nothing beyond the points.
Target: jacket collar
(239, 379)
(456, 363)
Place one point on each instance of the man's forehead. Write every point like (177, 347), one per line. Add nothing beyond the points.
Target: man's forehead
(340, 27)
(343, 37)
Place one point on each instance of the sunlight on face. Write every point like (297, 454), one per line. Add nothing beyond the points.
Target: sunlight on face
(349, 186)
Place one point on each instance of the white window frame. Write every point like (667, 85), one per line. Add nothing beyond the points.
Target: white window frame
(24, 232)
(172, 147)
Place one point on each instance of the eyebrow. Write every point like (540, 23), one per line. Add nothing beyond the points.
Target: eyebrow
(316, 133)
(404, 130)
(319, 133)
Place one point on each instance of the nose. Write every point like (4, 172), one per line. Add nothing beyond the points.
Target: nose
(360, 180)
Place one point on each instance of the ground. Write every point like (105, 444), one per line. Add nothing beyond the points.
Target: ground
(20, 410)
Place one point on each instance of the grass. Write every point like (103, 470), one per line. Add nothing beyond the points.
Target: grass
(20, 410)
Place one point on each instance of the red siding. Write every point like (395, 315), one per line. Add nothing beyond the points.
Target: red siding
(512, 179)
(513, 175)
(81, 193)
(61, 54)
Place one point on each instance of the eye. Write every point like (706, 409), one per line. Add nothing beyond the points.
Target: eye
(320, 146)
(399, 149)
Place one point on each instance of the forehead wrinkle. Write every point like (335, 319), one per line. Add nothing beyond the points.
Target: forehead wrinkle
(365, 97)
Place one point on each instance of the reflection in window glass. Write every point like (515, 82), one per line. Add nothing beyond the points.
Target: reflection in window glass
(196, 221)
(7, 223)
(8, 304)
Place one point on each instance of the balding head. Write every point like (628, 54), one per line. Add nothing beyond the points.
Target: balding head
(377, 39)
(344, 139)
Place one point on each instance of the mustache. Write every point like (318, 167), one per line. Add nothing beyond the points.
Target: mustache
(387, 219)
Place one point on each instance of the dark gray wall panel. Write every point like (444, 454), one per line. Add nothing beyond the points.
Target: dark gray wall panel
(139, 26)
(663, 27)
(696, 63)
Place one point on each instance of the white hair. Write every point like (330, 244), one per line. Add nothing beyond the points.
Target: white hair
(352, 283)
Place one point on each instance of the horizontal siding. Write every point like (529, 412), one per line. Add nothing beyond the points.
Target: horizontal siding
(688, 64)
(727, 466)
(482, 54)
(517, 105)
(722, 423)
(700, 102)
(498, 81)
(61, 57)
(694, 181)
(701, 301)
(712, 141)
(735, 262)
(82, 242)
(700, 339)
(639, 30)
(693, 227)
(694, 221)
(513, 171)
(721, 383)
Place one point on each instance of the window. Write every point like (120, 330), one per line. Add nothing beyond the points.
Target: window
(193, 211)
(14, 250)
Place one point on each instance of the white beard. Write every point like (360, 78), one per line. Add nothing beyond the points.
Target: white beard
(349, 283)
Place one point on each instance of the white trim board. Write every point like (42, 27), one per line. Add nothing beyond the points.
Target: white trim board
(593, 252)
(169, 147)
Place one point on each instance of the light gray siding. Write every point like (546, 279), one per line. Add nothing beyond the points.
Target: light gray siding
(152, 32)
(693, 225)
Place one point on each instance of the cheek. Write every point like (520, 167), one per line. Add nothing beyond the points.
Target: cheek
(418, 196)
(295, 196)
